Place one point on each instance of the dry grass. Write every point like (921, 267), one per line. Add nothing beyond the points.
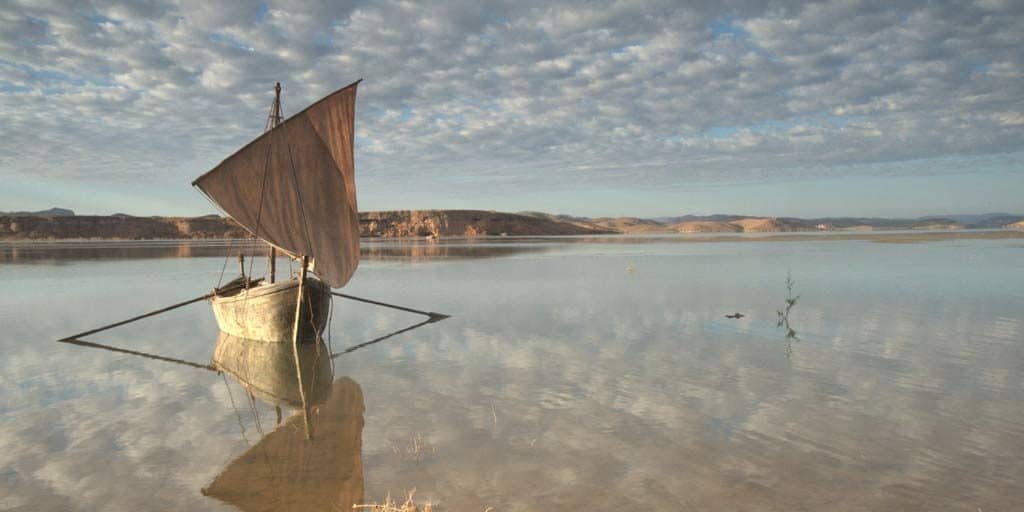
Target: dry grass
(416, 449)
(409, 505)
(389, 505)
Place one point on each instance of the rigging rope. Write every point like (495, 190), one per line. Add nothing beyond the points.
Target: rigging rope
(263, 188)
(302, 207)
(273, 119)
(330, 341)
(231, 242)
(238, 415)
(255, 412)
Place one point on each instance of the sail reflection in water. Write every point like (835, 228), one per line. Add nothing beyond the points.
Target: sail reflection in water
(285, 471)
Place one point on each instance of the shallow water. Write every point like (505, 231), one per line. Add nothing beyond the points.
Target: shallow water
(595, 373)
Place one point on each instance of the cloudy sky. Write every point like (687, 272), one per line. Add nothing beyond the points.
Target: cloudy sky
(584, 107)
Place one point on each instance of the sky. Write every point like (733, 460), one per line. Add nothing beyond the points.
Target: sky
(596, 108)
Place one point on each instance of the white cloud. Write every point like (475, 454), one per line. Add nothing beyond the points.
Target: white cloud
(570, 94)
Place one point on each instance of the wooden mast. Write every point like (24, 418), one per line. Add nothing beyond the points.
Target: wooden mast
(272, 122)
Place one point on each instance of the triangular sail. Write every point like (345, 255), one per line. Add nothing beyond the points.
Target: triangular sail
(294, 186)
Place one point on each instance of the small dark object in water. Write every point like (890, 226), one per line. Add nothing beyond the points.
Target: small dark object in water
(735, 315)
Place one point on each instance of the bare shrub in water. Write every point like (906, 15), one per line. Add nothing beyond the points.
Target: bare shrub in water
(784, 312)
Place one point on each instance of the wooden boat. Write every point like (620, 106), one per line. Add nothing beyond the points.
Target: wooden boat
(285, 471)
(266, 311)
(294, 188)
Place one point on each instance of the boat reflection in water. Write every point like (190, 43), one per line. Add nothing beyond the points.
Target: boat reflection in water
(284, 470)
(267, 369)
(313, 459)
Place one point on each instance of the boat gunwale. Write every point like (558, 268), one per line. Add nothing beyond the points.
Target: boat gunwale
(265, 290)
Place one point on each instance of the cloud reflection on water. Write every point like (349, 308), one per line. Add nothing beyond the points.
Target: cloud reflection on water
(564, 382)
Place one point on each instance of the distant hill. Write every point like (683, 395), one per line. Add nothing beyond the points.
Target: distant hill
(103, 227)
(59, 223)
(727, 223)
(626, 224)
(52, 212)
(700, 218)
(706, 226)
(407, 223)
(987, 220)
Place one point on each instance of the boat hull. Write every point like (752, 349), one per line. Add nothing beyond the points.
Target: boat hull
(267, 312)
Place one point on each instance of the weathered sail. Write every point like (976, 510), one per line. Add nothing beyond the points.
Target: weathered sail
(294, 186)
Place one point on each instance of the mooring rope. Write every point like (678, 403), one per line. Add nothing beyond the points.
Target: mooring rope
(302, 206)
(238, 415)
(330, 331)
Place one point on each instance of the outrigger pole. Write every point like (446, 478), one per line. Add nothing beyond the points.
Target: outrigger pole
(212, 368)
(432, 317)
(135, 318)
(83, 343)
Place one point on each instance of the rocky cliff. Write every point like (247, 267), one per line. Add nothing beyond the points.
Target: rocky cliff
(470, 223)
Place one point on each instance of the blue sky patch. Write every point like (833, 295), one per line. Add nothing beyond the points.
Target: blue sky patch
(727, 27)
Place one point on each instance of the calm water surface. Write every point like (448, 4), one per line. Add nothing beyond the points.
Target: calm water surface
(571, 374)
